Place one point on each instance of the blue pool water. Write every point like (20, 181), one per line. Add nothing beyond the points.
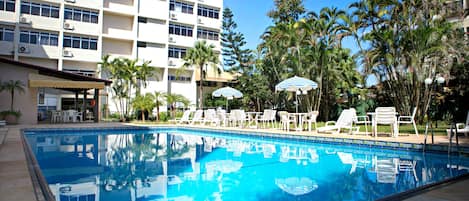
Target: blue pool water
(184, 164)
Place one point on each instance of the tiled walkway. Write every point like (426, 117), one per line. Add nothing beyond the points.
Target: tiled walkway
(15, 181)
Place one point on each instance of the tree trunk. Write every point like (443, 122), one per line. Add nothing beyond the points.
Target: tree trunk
(157, 111)
(143, 115)
(201, 96)
(12, 98)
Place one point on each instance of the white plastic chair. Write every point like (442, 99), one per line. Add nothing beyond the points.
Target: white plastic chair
(360, 120)
(285, 120)
(461, 127)
(408, 120)
(311, 118)
(265, 117)
(386, 116)
(345, 121)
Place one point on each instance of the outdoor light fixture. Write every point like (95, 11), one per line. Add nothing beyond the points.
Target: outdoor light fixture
(432, 82)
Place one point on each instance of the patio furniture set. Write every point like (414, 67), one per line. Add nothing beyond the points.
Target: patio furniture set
(348, 120)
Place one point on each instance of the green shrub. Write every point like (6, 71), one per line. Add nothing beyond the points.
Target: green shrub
(164, 116)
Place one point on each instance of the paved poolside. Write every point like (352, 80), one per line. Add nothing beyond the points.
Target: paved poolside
(15, 181)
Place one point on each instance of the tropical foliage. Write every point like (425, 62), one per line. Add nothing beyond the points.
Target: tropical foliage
(144, 103)
(127, 75)
(199, 56)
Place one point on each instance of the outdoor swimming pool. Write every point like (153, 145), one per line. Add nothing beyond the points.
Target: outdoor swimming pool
(193, 164)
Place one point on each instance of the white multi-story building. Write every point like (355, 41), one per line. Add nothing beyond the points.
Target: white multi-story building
(73, 35)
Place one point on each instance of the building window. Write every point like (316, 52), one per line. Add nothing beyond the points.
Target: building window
(174, 52)
(45, 10)
(6, 34)
(7, 5)
(38, 38)
(80, 42)
(181, 7)
(207, 34)
(81, 15)
(180, 30)
(208, 12)
(179, 78)
(89, 73)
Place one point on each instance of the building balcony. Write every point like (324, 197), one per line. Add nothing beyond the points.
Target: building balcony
(122, 7)
(155, 31)
(117, 48)
(178, 40)
(8, 17)
(7, 48)
(156, 53)
(38, 22)
(183, 18)
(81, 55)
(209, 22)
(154, 9)
(176, 63)
(118, 27)
(212, 3)
(83, 3)
(38, 51)
(81, 27)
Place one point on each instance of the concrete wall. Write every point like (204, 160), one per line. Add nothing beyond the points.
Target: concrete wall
(25, 102)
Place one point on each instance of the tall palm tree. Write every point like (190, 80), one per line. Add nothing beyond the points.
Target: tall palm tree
(200, 55)
(12, 86)
(142, 74)
(159, 99)
(172, 99)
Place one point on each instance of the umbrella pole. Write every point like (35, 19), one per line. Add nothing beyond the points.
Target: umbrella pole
(296, 97)
(226, 105)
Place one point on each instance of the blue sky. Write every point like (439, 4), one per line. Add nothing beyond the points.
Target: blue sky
(252, 20)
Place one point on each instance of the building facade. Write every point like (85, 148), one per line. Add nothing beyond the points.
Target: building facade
(73, 36)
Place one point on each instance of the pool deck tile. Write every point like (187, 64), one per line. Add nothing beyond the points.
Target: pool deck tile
(15, 181)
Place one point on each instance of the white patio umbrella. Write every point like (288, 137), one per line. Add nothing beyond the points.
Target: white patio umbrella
(227, 92)
(296, 185)
(296, 84)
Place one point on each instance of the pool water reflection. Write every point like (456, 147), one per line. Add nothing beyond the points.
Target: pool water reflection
(190, 165)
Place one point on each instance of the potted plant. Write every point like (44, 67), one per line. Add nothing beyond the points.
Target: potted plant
(12, 116)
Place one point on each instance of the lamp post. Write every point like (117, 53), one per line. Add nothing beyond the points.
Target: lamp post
(432, 84)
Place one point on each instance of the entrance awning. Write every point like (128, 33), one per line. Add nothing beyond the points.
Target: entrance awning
(43, 81)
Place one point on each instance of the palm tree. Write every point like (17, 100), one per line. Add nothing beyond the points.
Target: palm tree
(143, 72)
(172, 99)
(12, 86)
(200, 55)
(144, 103)
(159, 99)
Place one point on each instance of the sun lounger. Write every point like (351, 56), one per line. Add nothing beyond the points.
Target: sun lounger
(184, 119)
(197, 117)
(345, 121)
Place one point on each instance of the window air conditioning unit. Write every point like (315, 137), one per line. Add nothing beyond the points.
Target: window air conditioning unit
(24, 20)
(68, 26)
(172, 40)
(70, 1)
(200, 21)
(23, 49)
(67, 53)
(173, 16)
(171, 63)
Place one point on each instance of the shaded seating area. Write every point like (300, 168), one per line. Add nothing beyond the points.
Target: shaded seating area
(83, 91)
